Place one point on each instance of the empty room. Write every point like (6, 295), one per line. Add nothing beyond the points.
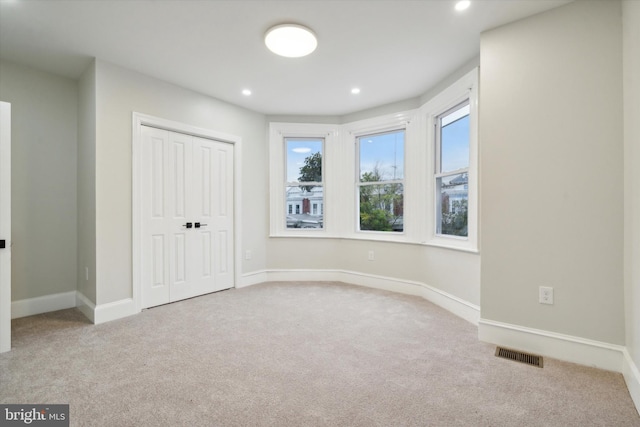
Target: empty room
(320, 213)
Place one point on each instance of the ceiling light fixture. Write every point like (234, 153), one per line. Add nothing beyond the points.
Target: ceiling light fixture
(291, 40)
(355, 90)
(246, 92)
(463, 5)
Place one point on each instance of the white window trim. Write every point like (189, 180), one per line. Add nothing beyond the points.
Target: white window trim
(277, 134)
(352, 131)
(340, 172)
(465, 88)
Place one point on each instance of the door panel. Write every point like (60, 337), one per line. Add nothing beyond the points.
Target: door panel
(157, 256)
(207, 259)
(223, 218)
(180, 205)
(207, 169)
(155, 240)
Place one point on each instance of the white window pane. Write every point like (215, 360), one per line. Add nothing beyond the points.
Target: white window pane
(454, 140)
(453, 199)
(382, 156)
(304, 159)
(382, 207)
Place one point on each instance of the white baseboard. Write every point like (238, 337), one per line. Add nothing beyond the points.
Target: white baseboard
(250, 279)
(102, 313)
(457, 306)
(631, 374)
(44, 304)
(558, 346)
(114, 310)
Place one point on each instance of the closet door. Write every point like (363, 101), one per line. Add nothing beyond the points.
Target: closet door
(187, 187)
(5, 226)
(214, 164)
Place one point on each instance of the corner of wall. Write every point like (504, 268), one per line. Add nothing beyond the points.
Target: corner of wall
(631, 90)
(86, 190)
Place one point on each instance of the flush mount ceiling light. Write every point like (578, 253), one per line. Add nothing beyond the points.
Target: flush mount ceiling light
(291, 40)
(463, 5)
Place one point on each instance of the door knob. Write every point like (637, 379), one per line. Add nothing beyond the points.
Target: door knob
(188, 225)
(198, 225)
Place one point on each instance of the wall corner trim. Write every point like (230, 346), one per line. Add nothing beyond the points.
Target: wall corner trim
(85, 306)
(569, 348)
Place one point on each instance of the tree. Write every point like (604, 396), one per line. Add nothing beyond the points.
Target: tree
(311, 171)
(454, 223)
(379, 203)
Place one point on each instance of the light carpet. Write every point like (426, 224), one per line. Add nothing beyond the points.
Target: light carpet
(296, 354)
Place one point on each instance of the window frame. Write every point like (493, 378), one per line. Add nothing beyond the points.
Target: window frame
(300, 206)
(406, 120)
(359, 183)
(278, 135)
(340, 208)
(439, 174)
(453, 97)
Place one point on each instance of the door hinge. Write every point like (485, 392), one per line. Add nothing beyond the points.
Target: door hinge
(2, 244)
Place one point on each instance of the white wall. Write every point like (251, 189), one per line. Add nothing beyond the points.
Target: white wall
(43, 200)
(551, 177)
(631, 43)
(119, 92)
(454, 272)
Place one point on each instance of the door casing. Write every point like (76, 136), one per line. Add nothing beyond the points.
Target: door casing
(139, 120)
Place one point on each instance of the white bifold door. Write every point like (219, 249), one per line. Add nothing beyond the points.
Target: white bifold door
(187, 216)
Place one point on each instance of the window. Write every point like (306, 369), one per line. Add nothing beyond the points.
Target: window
(380, 183)
(452, 136)
(357, 180)
(304, 181)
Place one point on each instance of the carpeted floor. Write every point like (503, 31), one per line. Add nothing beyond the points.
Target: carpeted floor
(296, 354)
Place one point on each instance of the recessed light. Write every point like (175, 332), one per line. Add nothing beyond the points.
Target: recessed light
(291, 40)
(463, 5)
(355, 90)
(246, 92)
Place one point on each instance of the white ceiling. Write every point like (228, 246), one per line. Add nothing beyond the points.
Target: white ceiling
(392, 50)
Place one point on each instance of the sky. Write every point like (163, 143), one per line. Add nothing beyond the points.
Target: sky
(455, 140)
(385, 150)
(299, 149)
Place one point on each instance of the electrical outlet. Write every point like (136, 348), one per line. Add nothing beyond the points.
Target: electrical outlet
(546, 295)
(247, 254)
(371, 256)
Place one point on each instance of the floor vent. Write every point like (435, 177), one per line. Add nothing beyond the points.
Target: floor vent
(518, 356)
